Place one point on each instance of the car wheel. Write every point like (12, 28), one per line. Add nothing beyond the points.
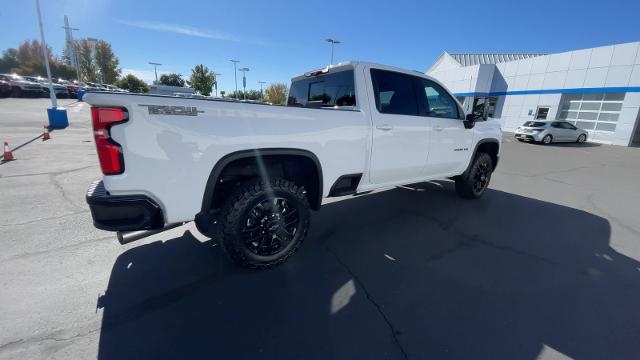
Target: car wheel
(475, 182)
(16, 92)
(582, 138)
(264, 222)
(547, 139)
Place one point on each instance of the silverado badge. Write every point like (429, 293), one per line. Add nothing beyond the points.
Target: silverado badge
(172, 110)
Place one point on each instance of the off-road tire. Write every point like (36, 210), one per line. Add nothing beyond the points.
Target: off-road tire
(236, 209)
(466, 186)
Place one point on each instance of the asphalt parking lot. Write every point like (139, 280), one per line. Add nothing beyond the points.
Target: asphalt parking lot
(545, 266)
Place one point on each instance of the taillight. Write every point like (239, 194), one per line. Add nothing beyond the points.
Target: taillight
(109, 151)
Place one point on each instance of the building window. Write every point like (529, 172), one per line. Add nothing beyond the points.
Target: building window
(542, 112)
(592, 111)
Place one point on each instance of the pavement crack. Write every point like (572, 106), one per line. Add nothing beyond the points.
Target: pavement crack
(44, 219)
(394, 332)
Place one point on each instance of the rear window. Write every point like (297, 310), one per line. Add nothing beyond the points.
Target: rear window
(533, 124)
(336, 89)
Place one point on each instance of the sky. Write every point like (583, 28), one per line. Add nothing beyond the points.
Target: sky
(279, 39)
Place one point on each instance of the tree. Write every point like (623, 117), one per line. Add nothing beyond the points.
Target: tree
(106, 63)
(250, 95)
(172, 79)
(9, 62)
(201, 79)
(28, 60)
(276, 94)
(86, 61)
(133, 84)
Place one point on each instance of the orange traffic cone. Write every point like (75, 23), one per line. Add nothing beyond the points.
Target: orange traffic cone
(46, 135)
(8, 155)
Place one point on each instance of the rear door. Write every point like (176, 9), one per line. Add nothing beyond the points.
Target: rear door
(400, 135)
(560, 132)
(450, 146)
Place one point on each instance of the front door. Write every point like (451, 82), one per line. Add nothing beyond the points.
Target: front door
(451, 142)
(400, 136)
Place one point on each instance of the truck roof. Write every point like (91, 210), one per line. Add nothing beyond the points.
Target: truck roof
(358, 63)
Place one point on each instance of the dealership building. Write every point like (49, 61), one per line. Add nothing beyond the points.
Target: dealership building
(595, 89)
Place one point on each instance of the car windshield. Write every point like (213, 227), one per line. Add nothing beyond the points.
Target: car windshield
(534, 124)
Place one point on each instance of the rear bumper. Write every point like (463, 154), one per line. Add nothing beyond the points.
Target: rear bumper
(123, 212)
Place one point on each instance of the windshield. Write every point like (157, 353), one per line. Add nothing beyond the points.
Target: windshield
(534, 124)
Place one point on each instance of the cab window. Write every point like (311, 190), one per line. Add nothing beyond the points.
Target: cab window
(394, 93)
(435, 101)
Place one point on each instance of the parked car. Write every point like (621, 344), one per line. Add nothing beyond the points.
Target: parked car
(114, 88)
(60, 90)
(71, 86)
(547, 132)
(251, 172)
(90, 86)
(5, 88)
(21, 86)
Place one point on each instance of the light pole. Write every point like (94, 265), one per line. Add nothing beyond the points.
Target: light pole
(235, 74)
(155, 69)
(215, 74)
(333, 43)
(261, 83)
(244, 81)
(57, 117)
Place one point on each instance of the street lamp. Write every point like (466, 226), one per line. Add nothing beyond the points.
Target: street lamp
(333, 43)
(235, 74)
(261, 83)
(244, 81)
(215, 74)
(155, 69)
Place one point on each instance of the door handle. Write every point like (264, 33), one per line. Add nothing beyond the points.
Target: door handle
(438, 128)
(384, 127)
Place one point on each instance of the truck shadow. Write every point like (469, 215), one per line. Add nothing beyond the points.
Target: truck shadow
(412, 273)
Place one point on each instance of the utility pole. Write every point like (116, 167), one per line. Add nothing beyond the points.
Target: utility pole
(333, 43)
(235, 74)
(244, 81)
(261, 83)
(71, 46)
(155, 69)
(215, 74)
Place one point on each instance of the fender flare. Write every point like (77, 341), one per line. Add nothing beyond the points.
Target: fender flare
(243, 154)
(475, 151)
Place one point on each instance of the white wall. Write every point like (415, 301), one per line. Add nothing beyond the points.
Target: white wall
(606, 66)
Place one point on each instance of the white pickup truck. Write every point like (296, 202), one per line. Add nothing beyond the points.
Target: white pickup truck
(249, 173)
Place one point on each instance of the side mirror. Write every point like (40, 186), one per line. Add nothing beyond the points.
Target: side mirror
(470, 121)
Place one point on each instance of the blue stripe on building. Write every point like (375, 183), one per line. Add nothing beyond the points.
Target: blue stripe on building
(555, 91)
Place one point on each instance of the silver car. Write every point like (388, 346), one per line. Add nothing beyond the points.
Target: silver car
(547, 132)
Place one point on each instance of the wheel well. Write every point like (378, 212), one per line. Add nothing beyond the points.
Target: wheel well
(300, 167)
(490, 148)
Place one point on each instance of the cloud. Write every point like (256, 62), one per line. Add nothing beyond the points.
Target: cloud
(188, 30)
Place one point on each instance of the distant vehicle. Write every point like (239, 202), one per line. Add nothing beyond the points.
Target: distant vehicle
(5, 88)
(547, 132)
(60, 90)
(114, 88)
(89, 86)
(21, 86)
(72, 87)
